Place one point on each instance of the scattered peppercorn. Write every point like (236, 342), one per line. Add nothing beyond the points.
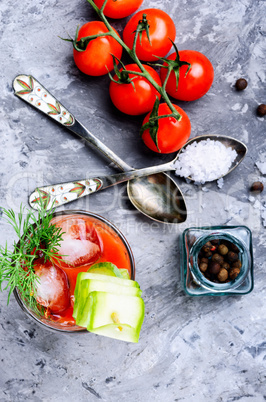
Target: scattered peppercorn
(218, 260)
(261, 110)
(257, 187)
(241, 84)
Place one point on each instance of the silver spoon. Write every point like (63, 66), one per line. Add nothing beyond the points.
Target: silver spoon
(156, 196)
(60, 194)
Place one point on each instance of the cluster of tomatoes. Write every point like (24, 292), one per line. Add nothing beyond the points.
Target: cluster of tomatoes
(190, 78)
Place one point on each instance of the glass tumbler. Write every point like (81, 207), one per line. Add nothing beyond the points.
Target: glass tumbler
(120, 245)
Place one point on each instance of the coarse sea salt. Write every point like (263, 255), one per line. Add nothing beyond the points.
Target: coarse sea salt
(205, 160)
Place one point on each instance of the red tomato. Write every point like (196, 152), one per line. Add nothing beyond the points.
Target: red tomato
(172, 134)
(119, 8)
(96, 59)
(138, 99)
(161, 28)
(197, 81)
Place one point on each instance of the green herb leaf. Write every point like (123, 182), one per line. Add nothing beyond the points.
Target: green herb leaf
(36, 237)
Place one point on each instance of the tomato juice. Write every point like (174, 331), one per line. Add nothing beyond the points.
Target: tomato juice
(88, 240)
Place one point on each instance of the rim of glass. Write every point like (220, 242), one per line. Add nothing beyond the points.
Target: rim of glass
(76, 328)
(200, 277)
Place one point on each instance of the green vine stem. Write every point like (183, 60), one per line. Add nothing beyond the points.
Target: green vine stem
(134, 57)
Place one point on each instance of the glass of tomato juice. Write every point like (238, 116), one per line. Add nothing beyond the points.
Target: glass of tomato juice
(87, 239)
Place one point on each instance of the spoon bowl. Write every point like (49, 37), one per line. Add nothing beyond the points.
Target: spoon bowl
(159, 197)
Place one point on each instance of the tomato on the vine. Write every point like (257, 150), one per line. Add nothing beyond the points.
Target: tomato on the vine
(160, 27)
(172, 134)
(193, 82)
(136, 97)
(119, 8)
(97, 58)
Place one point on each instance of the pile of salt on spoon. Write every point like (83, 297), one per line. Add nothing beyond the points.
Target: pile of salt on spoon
(205, 161)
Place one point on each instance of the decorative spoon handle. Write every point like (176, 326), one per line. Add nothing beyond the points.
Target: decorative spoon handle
(30, 90)
(59, 194)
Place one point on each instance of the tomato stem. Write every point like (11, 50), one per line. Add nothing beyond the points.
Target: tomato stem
(82, 43)
(166, 78)
(165, 115)
(103, 6)
(132, 54)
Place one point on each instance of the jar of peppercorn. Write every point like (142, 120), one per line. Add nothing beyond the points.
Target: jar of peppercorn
(217, 261)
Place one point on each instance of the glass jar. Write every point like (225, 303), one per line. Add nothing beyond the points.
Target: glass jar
(193, 280)
(103, 227)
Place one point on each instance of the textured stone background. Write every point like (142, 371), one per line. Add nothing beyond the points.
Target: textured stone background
(203, 349)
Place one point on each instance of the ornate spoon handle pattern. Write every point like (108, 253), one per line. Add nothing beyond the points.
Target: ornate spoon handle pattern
(59, 194)
(30, 90)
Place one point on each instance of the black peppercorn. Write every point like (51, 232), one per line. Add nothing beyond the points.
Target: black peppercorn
(237, 264)
(232, 257)
(241, 84)
(208, 254)
(257, 187)
(214, 267)
(207, 247)
(225, 265)
(217, 258)
(261, 110)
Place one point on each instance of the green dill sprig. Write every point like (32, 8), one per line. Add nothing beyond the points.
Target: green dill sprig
(36, 238)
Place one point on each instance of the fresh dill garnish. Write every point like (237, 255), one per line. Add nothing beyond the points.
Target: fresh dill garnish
(36, 238)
